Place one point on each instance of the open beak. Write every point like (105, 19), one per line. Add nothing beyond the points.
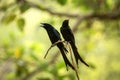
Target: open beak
(41, 24)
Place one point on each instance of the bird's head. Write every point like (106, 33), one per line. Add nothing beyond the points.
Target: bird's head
(46, 25)
(65, 23)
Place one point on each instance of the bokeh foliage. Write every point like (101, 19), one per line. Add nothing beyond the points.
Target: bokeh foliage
(23, 43)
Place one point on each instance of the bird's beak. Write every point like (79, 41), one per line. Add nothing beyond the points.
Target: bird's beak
(41, 24)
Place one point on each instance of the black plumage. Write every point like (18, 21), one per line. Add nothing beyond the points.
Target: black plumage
(54, 36)
(68, 36)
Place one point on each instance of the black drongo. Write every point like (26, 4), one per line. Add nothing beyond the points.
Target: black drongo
(68, 36)
(54, 36)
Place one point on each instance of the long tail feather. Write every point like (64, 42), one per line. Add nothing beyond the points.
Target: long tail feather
(76, 54)
(67, 62)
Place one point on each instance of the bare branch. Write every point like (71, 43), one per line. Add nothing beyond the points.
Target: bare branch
(104, 16)
(50, 11)
(53, 46)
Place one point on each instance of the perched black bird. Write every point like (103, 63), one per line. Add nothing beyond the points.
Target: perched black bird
(54, 36)
(68, 36)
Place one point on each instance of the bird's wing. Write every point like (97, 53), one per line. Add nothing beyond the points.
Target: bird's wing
(57, 33)
(69, 32)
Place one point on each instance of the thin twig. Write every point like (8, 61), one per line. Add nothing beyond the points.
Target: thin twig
(76, 71)
(52, 46)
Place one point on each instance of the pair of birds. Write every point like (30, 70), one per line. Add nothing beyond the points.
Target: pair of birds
(67, 34)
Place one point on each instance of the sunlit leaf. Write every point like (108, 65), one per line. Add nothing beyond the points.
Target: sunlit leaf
(6, 43)
(21, 23)
(17, 52)
(76, 2)
(9, 18)
(21, 68)
(110, 3)
(60, 65)
(24, 7)
(62, 2)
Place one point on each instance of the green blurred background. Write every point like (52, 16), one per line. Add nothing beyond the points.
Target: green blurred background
(23, 43)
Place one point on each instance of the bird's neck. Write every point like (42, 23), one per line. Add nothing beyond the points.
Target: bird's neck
(65, 26)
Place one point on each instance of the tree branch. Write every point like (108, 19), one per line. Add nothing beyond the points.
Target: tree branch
(50, 11)
(103, 16)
